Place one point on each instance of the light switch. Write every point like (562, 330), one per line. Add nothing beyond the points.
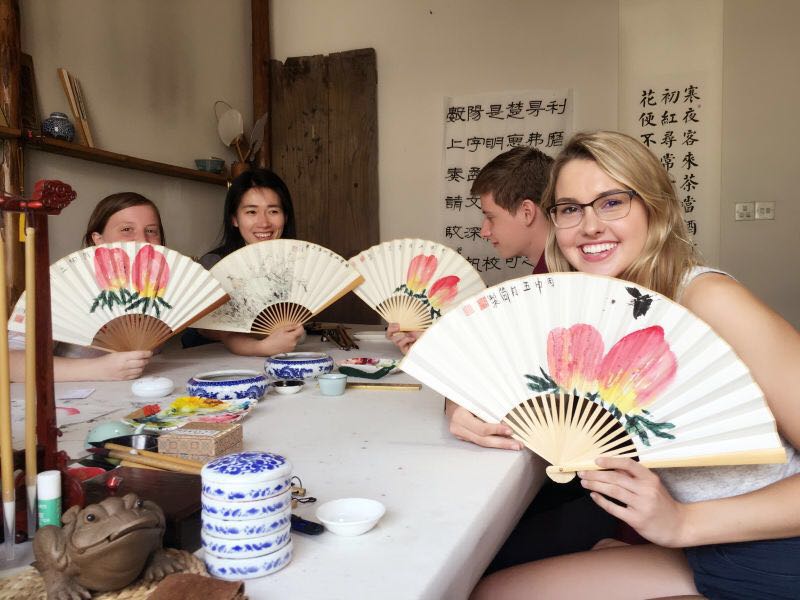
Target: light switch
(765, 210)
(745, 211)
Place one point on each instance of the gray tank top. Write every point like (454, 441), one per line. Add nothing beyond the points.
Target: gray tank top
(694, 484)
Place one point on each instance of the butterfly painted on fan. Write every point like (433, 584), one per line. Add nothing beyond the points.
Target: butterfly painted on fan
(641, 302)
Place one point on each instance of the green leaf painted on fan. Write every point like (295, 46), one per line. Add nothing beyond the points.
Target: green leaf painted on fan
(541, 384)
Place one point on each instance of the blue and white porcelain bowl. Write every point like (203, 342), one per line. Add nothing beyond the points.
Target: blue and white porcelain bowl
(235, 569)
(228, 385)
(255, 546)
(298, 365)
(243, 492)
(244, 511)
(239, 530)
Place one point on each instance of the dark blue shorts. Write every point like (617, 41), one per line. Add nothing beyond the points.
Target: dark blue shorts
(760, 570)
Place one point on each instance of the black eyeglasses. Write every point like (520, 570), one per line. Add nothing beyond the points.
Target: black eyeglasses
(609, 206)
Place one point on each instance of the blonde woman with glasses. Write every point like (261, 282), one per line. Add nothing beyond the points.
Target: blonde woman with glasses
(718, 532)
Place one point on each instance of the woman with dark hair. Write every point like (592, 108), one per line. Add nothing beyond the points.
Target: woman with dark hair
(258, 208)
(123, 217)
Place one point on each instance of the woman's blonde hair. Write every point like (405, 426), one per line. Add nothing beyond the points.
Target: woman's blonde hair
(668, 253)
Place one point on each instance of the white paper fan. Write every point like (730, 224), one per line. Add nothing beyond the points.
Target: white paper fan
(277, 283)
(125, 296)
(581, 366)
(413, 282)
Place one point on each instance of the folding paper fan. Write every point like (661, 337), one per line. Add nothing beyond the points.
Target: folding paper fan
(581, 366)
(413, 282)
(125, 296)
(277, 283)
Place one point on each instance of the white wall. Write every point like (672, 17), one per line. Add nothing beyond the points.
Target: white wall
(428, 50)
(761, 130)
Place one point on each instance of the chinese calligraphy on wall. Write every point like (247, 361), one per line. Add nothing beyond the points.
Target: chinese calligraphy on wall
(670, 123)
(478, 128)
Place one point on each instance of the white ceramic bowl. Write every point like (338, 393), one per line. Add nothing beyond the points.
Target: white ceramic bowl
(287, 386)
(298, 365)
(232, 384)
(350, 516)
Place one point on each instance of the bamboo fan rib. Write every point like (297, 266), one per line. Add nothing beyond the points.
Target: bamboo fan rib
(581, 366)
(277, 283)
(125, 296)
(413, 282)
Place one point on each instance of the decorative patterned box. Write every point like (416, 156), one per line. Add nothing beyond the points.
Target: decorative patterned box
(202, 441)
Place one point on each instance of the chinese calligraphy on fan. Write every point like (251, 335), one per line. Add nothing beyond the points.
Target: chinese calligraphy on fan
(478, 128)
(670, 125)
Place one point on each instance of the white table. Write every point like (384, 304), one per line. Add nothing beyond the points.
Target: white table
(449, 504)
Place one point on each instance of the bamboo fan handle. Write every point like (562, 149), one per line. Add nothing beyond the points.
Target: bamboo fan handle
(748, 457)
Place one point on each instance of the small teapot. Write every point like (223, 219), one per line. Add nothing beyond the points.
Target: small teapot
(58, 126)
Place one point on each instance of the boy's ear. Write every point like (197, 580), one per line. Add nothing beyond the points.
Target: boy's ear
(529, 210)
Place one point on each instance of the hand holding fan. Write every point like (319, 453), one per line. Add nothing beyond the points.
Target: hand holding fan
(581, 366)
(125, 296)
(278, 283)
(413, 282)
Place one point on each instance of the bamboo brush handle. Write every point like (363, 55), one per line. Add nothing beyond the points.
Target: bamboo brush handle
(154, 455)
(153, 462)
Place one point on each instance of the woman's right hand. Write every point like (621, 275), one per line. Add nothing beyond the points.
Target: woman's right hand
(120, 366)
(466, 426)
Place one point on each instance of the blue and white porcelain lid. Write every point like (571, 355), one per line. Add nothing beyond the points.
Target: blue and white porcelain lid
(245, 467)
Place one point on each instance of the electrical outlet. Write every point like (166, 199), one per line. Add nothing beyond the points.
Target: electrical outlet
(765, 210)
(745, 211)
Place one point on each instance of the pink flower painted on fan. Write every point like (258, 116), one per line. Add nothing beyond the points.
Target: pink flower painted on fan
(150, 272)
(625, 381)
(112, 274)
(111, 268)
(150, 277)
(574, 356)
(636, 370)
(443, 291)
(420, 272)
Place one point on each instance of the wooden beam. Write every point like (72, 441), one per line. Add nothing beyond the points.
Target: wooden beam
(259, 10)
(11, 179)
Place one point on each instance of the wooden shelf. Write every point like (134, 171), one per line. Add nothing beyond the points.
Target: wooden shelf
(55, 146)
(9, 133)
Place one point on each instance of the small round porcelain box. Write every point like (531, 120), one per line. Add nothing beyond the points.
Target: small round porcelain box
(245, 511)
(255, 546)
(234, 569)
(245, 476)
(244, 530)
(228, 385)
(298, 365)
(152, 387)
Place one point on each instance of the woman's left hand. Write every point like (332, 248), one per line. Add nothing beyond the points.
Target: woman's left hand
(649, 507)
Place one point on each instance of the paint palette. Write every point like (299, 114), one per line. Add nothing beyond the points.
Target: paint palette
(186, 409)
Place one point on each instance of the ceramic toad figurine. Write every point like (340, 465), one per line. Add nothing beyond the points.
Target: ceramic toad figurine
(102, 547)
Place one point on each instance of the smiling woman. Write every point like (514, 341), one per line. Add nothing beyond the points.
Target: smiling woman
(258, 208)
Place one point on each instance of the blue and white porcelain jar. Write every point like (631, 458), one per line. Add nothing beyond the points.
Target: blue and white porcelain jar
(58, 126)
(298, 365)
(246, 514)
(228, 385)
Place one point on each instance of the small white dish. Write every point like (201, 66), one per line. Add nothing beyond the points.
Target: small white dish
(152, 387)
(287, 386)
(350, 516)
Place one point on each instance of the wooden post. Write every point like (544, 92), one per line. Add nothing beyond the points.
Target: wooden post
(11, 161)
(259, 15)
